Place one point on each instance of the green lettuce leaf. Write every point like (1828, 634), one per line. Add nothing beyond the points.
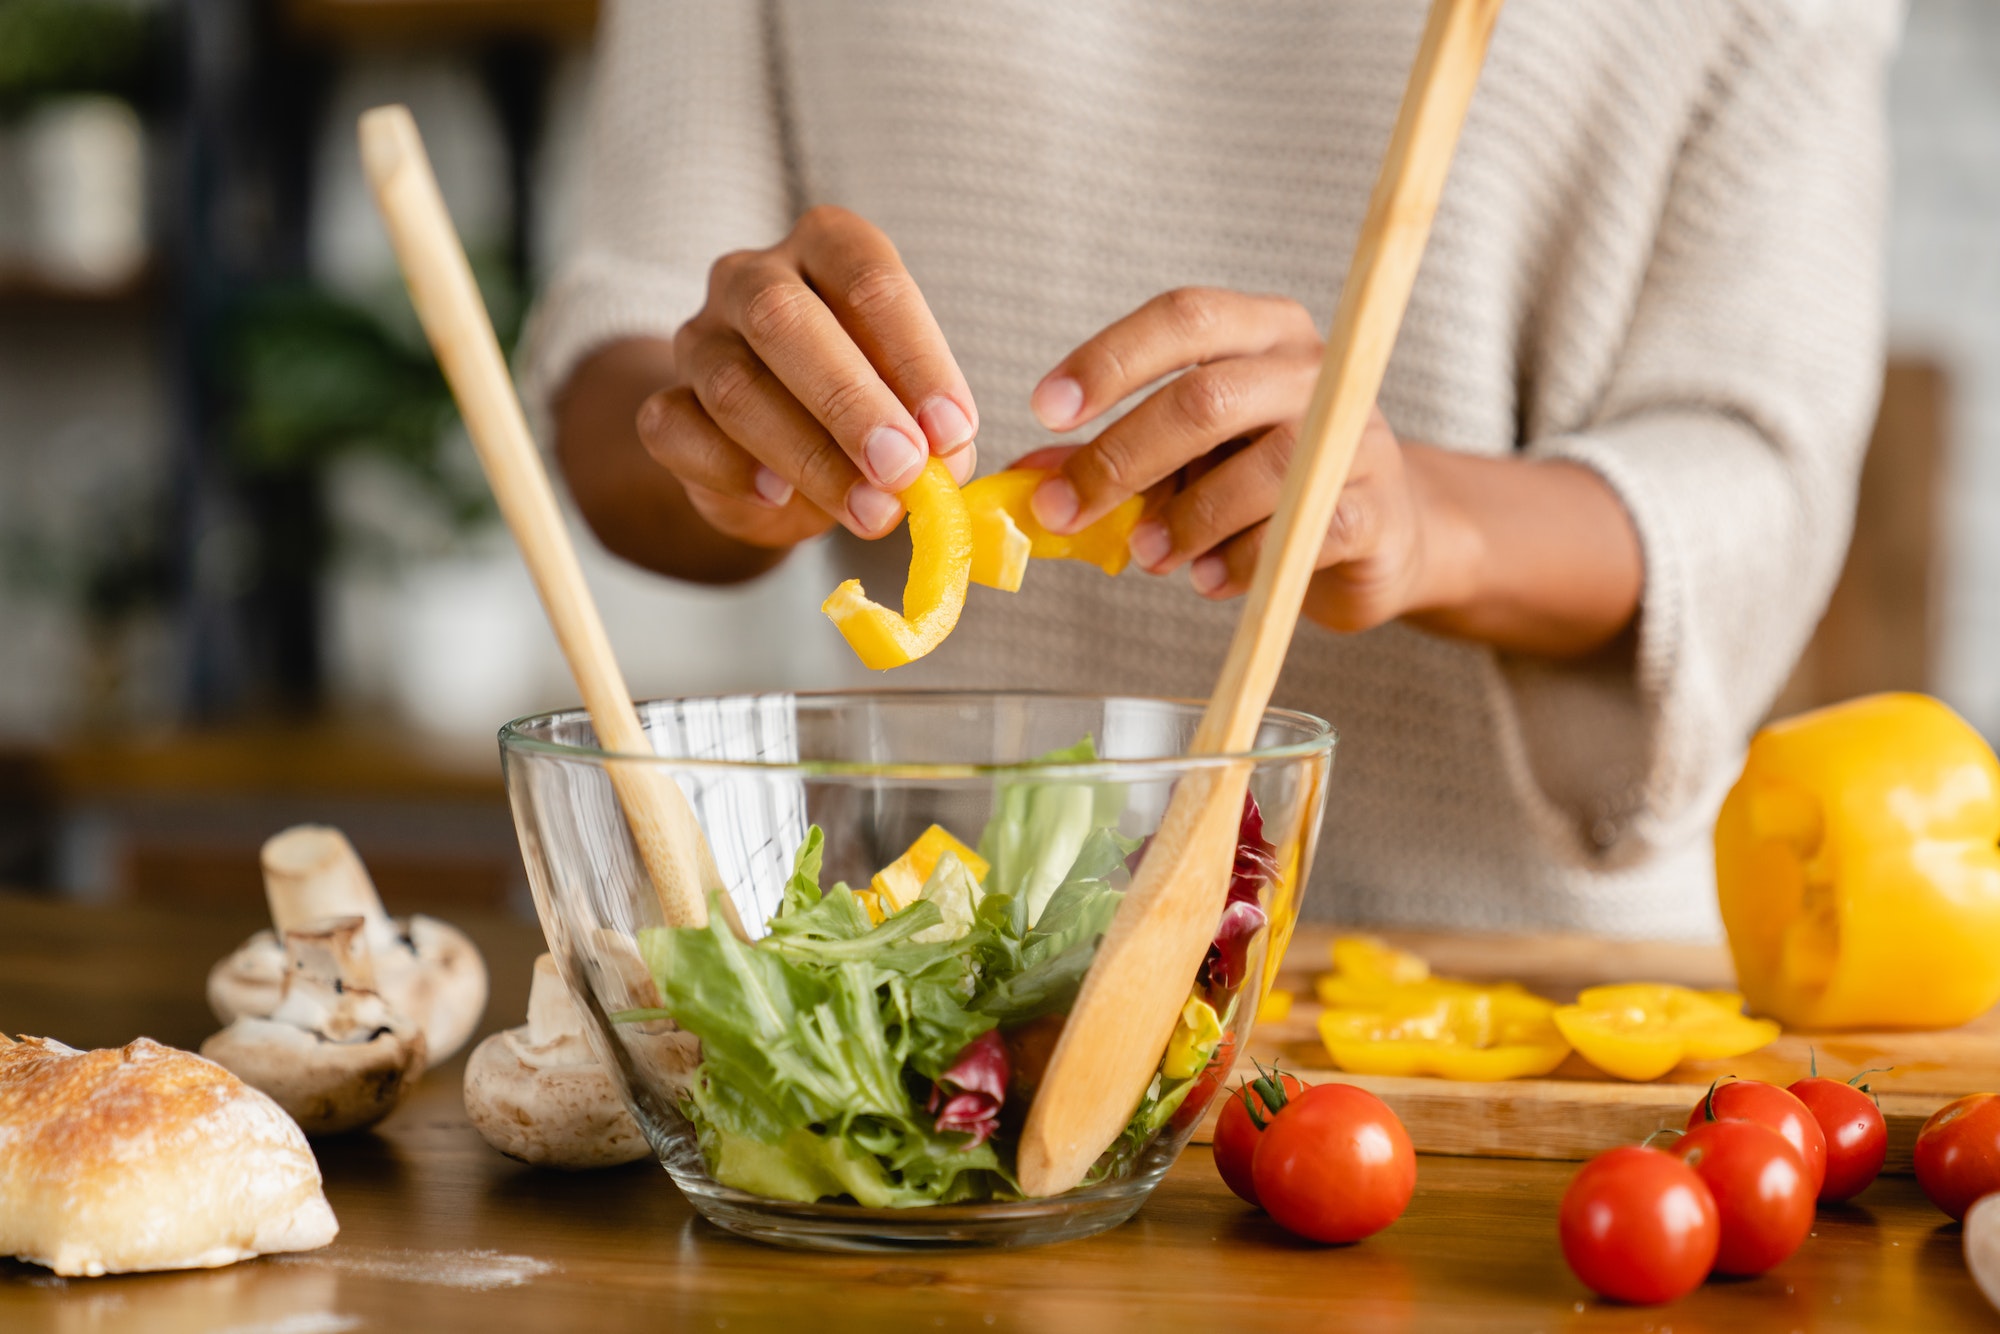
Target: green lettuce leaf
(1034, 838)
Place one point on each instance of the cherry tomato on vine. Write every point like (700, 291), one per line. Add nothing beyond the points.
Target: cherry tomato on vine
(1638, 1225)
(1763, 1194)
(1335, 1165)
(1768, 1105)
(1857, 1138)
(1237, 1130)
(1958, 1153)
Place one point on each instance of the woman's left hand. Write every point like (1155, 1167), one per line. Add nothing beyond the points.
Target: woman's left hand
(1212, 446)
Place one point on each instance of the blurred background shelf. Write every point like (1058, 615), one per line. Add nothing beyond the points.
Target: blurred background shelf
(442, 20)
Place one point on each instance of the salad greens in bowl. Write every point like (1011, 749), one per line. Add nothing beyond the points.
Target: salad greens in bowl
(921, 882)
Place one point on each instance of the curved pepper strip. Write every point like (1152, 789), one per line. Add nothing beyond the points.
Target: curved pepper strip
(1641, 1030)
(1857, 868)
(1006, 533)
(940, 567)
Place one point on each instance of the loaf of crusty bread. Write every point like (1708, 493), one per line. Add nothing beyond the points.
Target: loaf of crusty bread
(145, 1157)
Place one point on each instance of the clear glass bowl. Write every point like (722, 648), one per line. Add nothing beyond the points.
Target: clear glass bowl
(873, 771)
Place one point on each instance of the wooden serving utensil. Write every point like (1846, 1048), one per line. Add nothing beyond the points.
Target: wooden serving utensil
(455, 319)
(1125, 1012)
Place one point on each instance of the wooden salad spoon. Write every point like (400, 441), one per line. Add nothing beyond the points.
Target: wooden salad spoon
(1125, 1012)
(454, 316)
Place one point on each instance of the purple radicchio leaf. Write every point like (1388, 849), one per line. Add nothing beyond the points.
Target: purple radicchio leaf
(1243, 915)
(966, 1098)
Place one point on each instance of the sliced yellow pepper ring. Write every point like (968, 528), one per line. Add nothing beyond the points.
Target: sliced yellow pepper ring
(1196, 1035)
(897, 885)
(940, 566)
(1641, 1030)
(1371, 959)
(1006, 533)
(1453, 1029)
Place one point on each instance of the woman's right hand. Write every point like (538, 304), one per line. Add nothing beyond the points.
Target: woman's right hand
(811, 388)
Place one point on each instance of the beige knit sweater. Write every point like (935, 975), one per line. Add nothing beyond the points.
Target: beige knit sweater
(1658, 255)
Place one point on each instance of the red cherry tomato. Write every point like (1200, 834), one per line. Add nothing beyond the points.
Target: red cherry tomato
(1857, 1139)
(1236, 1134)
(1958, 1152)
(1768, 1105)
(1639, 1226)
(1763, 1196)
(1334, 1165)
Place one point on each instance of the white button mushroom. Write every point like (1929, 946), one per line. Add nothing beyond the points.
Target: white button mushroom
(537, 1092)
(426, 969)
(1982, 1246)
(333, 1052)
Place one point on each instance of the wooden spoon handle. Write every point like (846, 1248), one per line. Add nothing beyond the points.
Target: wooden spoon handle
(1125, 1012)
(1372, 301)
(455, 320)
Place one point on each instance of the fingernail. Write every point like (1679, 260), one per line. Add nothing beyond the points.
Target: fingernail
(945, 425)
(1055, 504)
(772, 489)
(893, 457)
(872, 511)
(651, 415)
(1150, 543)
(1056, 401)
(1208, 574)
(962, 462)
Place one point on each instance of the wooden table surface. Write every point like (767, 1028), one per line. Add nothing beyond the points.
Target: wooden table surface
(438, 1232)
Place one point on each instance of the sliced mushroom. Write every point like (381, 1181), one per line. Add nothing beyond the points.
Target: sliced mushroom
(538, 1093)
(334, 1053)
(426, 969)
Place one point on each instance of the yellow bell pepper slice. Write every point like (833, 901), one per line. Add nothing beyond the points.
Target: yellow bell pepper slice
(871, 903)
(1000, 550)
(1196, 1035)
(1002, 519)
(1857, 869)
(940, 566)
(1275, 1008)
(1641, 1030)
(897, 885)
(1372, 959)
(1452, 1029)
(1387, 1015)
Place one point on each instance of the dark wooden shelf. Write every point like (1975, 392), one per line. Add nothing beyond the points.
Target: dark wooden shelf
(25, 289)
(371, 21)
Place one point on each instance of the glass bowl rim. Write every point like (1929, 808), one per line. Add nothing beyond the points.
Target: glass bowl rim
(1321, 738)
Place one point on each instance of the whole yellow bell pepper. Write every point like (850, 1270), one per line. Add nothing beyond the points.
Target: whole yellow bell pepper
(1641, 1030)
(1858, 871)
(940, 567)
(1006, 533)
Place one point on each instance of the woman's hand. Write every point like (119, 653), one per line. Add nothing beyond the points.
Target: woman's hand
(810, 389)
(1213, 445)
(1526, 556)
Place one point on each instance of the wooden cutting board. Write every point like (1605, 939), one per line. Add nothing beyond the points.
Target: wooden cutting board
(1578, 1110)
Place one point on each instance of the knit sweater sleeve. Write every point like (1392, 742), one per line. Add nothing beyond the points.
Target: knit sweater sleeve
(685, 162)
(1733, 424)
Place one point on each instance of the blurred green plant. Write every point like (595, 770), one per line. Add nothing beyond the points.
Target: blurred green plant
(71, 46)
(314, 377)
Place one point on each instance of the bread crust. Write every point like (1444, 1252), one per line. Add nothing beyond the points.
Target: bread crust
(145, 1157)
